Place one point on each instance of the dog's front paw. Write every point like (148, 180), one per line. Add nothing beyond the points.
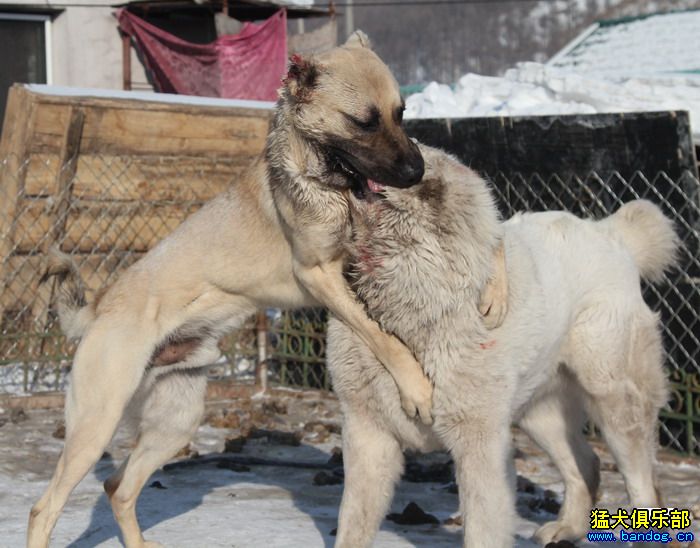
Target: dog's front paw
(555, 531)
(417, 397)
(494, 297)
(494, 303)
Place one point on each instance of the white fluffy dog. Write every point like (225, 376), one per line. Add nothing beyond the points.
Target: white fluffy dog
(578, 338)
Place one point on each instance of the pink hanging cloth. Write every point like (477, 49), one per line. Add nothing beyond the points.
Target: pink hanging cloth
(247, 65)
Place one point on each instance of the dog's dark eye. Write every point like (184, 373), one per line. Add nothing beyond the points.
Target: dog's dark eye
(368, 124)
(398, 113)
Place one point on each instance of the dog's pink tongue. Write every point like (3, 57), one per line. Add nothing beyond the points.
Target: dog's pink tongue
(374, 186)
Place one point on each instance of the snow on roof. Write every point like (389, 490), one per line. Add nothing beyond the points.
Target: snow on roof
(657, 44)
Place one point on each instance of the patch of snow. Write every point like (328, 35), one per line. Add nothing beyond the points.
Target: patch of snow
(532, 89)
(270, 506)
(36, 377)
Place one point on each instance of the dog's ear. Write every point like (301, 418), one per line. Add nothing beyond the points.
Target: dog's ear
(301, 77)
(358, 39)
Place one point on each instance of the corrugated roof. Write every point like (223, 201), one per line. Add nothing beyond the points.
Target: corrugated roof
(650, 45)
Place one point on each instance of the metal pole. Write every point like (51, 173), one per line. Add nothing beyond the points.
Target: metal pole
(261, 369)
(126, 61)
(349, 19)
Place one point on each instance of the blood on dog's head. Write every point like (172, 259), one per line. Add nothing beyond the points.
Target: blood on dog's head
(346, 103)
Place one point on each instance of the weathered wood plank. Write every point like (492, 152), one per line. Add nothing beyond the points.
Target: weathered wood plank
(100, 226)
(51, 119)
(140, 131)
(40, 177)
(103, 227)
(149, 178)
(13, 144)
(143, 132)
(142, 168)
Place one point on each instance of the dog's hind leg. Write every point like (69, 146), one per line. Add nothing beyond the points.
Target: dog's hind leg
(620, 367)
(107, 370)
(170, 413)
(555, 423)
(373, 463)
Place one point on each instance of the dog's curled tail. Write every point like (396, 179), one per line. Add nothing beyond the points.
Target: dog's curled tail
(73, 311)
(648, 235)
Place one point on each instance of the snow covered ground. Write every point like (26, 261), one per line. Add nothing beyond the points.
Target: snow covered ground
(535, 89)
(273, 506)
(39, 378)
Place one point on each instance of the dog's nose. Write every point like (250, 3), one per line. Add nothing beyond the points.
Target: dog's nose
(412, 170)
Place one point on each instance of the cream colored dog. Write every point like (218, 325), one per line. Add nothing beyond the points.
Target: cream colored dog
(578, 337)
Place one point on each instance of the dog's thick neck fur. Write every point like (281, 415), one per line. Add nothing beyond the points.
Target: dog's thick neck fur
(295, 162)
(282, 141)
(413, 224)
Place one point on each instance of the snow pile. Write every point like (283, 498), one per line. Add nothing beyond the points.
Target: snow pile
(535, 89)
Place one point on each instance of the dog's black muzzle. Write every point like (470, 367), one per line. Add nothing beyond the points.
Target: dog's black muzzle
(411, 169)
(405, 171)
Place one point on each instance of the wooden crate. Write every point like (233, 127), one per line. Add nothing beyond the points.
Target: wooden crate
(105, 178)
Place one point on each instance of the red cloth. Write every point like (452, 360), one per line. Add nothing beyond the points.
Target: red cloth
(247, 65)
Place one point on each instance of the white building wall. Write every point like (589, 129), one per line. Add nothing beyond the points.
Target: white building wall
(85, 46)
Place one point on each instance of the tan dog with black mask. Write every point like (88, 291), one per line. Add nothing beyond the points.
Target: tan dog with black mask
(274, 239)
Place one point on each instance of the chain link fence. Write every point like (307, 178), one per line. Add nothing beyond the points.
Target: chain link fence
(107, 211)
(677, 298)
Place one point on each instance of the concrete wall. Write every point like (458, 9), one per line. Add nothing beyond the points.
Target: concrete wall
(86, 49)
